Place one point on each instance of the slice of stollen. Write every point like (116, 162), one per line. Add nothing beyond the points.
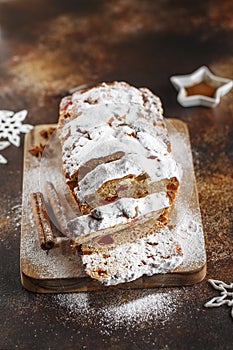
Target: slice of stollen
(156, 254)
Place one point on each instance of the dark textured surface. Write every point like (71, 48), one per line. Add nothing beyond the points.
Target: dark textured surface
(47, 48)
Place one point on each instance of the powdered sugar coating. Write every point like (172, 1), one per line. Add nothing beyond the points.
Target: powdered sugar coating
(109, 133)
(117, 213)
(132, 164)
(109, 112)
(157, 253)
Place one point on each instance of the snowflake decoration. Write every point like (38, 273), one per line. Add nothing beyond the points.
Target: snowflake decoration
(10, 128)
(11, 125)
(226, 295)
(3, 145)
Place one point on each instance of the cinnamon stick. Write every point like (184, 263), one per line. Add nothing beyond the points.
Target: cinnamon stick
(56, 206)
(42, 221)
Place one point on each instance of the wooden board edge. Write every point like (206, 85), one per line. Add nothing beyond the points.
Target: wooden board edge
(85, 284)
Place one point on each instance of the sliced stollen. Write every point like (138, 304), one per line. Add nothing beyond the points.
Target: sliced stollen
(116, 155)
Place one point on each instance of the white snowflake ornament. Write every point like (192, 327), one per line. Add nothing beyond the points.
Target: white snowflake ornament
(225, 297)
(3, 145)
(11, 125)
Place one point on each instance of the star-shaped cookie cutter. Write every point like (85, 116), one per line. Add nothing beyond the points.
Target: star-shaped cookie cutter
(203, 79)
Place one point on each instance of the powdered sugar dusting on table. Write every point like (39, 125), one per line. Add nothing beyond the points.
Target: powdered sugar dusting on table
(121, 309)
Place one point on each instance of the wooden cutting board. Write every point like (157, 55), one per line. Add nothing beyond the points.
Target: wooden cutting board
(60, 269)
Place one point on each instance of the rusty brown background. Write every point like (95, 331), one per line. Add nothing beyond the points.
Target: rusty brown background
(48, 47)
